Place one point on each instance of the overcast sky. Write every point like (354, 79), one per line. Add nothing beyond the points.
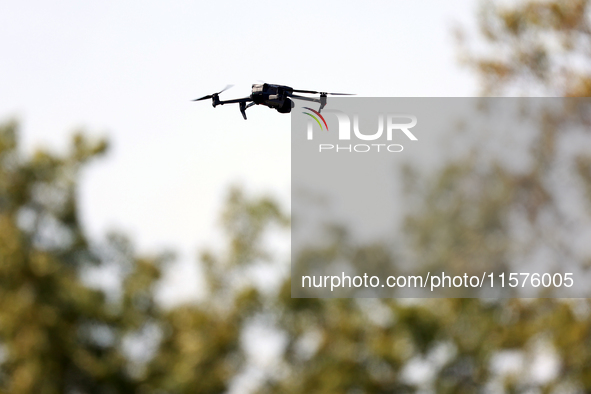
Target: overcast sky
(128, 70)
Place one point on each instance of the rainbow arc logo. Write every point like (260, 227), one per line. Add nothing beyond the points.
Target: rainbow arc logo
(315, 118)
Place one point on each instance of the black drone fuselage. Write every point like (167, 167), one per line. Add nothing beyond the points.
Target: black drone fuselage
(273, 96)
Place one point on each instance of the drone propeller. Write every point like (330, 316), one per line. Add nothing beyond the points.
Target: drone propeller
(214, 94)
(323, 93)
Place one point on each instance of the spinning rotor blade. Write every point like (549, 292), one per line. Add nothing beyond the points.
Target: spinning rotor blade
(224, 89)
(211, 95)
(204, 97)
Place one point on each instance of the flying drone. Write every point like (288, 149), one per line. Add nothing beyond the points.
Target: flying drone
(278, 97)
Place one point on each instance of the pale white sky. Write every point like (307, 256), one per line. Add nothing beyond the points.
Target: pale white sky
(128, 70)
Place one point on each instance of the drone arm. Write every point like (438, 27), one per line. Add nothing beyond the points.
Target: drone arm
(295, 96)
(233, 101)
(321, 100)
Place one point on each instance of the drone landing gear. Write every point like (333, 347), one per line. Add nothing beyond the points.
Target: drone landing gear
(243, 108)
(322, 101)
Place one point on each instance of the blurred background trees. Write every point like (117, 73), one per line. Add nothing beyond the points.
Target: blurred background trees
(58, 334)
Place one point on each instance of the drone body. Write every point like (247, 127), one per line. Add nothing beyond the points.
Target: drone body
(278, 97)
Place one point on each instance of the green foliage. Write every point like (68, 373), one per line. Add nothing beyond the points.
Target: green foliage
(44, 307)
(534, 48)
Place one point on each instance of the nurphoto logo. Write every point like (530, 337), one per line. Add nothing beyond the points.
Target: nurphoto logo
(391, 123)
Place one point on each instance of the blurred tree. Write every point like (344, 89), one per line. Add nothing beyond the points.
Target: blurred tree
(57, 335)
(466, 345)
(532, 48)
